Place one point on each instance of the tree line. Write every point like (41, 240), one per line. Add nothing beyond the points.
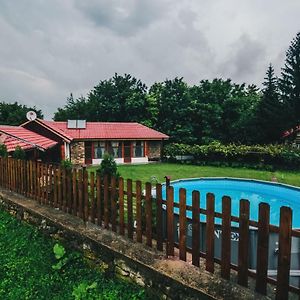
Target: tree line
(212, 110)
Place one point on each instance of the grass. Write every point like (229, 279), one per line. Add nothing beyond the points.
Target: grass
(177, 171)
(26, 272)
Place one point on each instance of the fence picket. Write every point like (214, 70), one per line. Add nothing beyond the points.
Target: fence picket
(243, 247)
(92, 193)
(159, 217)
(139, 211)
(210, 230)
(284, 254)
(121, 206)
(170, 221)
(113, 204)
(105, 202)
(99, 206)
(195, 228)
(226, 237)
(148, 205)
(262, 248)
(182, 224)
(129, 209)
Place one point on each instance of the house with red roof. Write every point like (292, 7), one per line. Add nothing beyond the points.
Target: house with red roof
(85, 142)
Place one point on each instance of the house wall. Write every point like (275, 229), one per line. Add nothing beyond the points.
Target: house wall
(77, 153)
(154, 150)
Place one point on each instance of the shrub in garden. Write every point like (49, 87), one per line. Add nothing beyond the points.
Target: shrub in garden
(232, 154)
(3, 150)
(19, 153)
(108, 167)
(66, 164)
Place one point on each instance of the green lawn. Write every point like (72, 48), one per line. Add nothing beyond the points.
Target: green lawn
(26, 272)
(177, 171)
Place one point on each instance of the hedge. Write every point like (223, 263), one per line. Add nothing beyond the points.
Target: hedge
(261, 155)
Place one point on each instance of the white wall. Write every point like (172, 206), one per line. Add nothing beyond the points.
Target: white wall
(134, 160)
(97, 161)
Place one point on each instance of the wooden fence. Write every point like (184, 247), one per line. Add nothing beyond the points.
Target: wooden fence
(130, 209)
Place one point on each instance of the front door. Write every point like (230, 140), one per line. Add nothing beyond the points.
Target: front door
(127, 152)
(88, 152)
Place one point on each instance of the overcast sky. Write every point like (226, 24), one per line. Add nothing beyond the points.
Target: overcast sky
(51, 48)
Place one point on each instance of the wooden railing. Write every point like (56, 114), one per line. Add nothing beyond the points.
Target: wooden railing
(132, 210)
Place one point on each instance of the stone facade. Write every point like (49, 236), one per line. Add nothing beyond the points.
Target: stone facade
(154, 150)
(77, 153)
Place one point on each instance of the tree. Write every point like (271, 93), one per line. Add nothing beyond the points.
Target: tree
(174, 109)
(15, 113)
(19, 153)
(290, 83)
(3, 150)
(270, 120)
(118, 99)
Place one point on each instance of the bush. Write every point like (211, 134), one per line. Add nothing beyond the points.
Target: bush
(19, 153)
(258, 156)
(3, 150)
(108, 167)
(66, 164)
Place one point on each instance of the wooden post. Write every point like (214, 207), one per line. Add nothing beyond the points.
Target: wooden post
(284, 254)
(99, 206)
(113, 195)
(148, 199)
(75, 192)
(129, 209)
(182, 224)
(170, 218)
(196, 228)
(243, 258)
(226, 237)
(262, 248)
(210, 232)
(80, 193)
(139, 211)
(159, 217)
(92, 192)
(106, 209)
(86, 195)
(121, 206)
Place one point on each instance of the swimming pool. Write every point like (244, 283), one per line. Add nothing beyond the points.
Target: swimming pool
(275, 194)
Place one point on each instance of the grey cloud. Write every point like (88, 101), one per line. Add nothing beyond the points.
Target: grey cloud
(246, 57)
(51, 48)
(123, 17)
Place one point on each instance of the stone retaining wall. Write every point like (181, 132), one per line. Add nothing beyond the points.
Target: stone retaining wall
(118, 256)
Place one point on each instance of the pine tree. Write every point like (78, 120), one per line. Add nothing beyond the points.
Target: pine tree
(290, 82)
(269, 112)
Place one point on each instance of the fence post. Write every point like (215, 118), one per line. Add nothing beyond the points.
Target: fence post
(226, 237)
(139, 211)
(92, 192)
(75, 192)
(129, 209)
(262, 248)
(210, 232)
(80, 193)
(113, 204)
(105, 202)
(170, 218)
(196, 228)
(159, 216)
(243, 247)
(284, 254)
(86, 195)
(121, 206)
(99, 204)
(182, 224)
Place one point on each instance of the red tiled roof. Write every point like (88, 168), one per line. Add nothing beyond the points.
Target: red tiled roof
(26, 139)
(106, 130)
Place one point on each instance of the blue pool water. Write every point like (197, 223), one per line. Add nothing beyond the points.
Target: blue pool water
(276, 195)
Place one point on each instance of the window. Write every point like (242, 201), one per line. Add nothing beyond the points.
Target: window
(138, 149)
(99, 149)
(115, 149)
